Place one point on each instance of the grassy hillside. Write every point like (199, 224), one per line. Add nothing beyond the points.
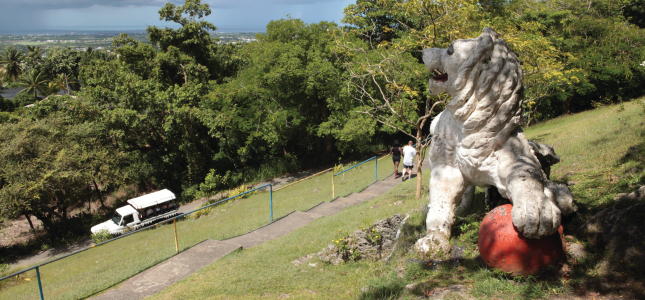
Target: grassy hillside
(97, 269)
(602, 154)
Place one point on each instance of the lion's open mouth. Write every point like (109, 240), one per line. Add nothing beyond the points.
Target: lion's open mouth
(442, 77)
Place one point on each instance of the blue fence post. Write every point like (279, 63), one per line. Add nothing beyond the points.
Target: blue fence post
(375, 168)
(40, 286)
(271, 196)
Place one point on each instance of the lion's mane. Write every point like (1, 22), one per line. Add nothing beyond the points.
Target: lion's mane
(489, 96)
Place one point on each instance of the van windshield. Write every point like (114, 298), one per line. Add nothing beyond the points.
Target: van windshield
(116, 218)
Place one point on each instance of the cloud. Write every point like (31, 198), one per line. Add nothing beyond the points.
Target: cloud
(61, 4)
(20, 16)
(19, 20)
(255, 3)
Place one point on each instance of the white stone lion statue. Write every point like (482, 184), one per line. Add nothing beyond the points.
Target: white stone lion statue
(477, 141)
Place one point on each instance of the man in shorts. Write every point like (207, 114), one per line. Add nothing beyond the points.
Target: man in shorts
(408, 159)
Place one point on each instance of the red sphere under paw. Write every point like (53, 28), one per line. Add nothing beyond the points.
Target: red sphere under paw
(502, 247)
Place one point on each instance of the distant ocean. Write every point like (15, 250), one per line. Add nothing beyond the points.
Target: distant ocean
(111, 29)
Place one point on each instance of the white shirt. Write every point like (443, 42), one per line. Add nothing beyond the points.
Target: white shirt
(408, 155)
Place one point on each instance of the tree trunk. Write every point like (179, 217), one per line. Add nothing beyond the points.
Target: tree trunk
(419, 175)
(419, 157)
(47, 222)
(96, 187)
(30, 224)
(328, 140)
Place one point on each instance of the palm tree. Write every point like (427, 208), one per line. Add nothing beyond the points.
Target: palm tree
(60, 82)
(34, 56)
(34, 81)
(11, 60)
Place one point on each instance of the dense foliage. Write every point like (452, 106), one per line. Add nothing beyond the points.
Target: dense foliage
(187, 113)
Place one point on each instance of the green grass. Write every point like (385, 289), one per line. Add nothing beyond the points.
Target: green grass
(266, 270)
(594, 147)
(95, 270)
(602, 152)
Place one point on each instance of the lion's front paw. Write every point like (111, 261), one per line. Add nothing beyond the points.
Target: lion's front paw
(537, 217)
(433, 245)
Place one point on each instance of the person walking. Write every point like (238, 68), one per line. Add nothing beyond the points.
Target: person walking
(408, 159)
(396, 157)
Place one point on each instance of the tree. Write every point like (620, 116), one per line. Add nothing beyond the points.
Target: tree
(285, 89)
(49, 161)
(11, 62)
(33, 57)
(634, 11)
(188, 49)
(34, 82)
(386, 77)
(59, 83)
(595, 47)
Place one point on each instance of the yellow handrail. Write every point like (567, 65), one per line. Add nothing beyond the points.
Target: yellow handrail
(304, 179)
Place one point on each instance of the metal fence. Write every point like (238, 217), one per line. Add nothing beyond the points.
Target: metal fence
(173, 219)
(354, 182)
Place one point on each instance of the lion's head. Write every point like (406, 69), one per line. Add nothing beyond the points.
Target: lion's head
(485, 79)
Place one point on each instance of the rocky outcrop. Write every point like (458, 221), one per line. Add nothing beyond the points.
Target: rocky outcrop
(374, 242)
(620, 230)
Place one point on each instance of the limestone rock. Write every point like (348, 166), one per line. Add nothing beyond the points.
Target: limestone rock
(330, 255)
(576, 251)
(372, 243)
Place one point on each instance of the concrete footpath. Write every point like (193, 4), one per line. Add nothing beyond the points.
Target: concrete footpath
(182, 265)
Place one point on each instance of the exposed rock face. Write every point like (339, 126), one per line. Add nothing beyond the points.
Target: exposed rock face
(374, 242)
(478, 141)
(621, 230)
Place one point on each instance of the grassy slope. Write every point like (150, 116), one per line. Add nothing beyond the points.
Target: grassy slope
(594, 147)
(94, 270)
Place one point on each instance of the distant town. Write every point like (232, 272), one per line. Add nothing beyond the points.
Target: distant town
(98, 41)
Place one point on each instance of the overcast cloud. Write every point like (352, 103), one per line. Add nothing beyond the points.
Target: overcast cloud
(31, 16)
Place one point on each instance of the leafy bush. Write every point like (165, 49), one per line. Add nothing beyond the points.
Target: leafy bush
(4, 268)
(213, 184)
(23, 99)
(6, 105)
(240, 190)
(101, 236)
(204, 212)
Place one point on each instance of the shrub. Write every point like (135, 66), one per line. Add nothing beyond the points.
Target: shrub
(213, 184)
(23, 99)
(101, 236)
(6, 104)
(240, 190)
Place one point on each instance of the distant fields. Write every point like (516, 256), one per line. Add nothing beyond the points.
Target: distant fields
(96, 40)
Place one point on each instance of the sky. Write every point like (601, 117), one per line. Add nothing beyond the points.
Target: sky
(48, 16)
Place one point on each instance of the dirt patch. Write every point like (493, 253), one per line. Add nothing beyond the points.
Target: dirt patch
(18, 231)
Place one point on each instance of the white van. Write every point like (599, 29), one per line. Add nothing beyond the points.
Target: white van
(141, 211)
